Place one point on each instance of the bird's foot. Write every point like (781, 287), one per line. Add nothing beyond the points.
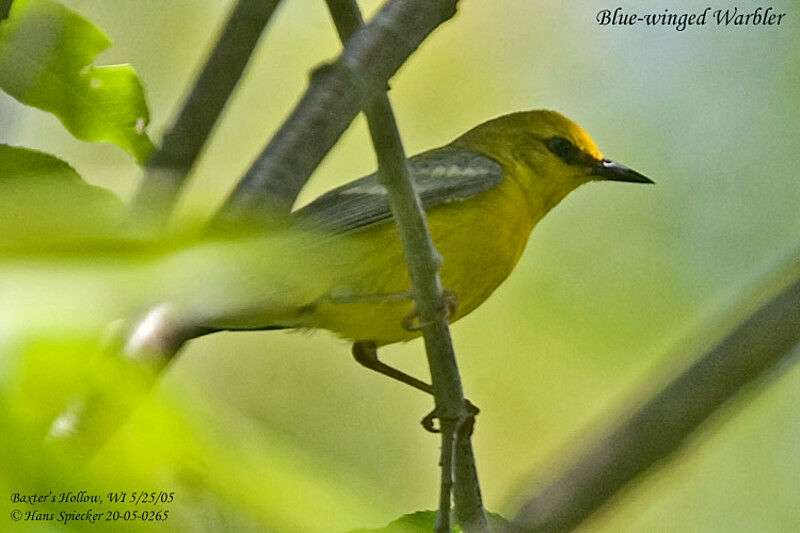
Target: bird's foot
(467, 423)
(411, 322)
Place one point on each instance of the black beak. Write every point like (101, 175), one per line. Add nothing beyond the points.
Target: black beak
(612, 171)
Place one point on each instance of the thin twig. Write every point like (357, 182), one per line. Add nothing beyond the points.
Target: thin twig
(663, 424)
(336, 94)
(423, 264)
(169, 165)
(467, 491)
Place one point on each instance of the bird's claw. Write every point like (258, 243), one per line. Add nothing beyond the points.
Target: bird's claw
(467, 424)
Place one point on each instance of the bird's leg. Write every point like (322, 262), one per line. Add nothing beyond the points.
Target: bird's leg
(366, 353)
(412, 322)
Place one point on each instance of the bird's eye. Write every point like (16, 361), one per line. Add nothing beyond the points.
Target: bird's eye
(562, 148)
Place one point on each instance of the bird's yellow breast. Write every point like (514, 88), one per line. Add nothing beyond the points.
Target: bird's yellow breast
(480, 240)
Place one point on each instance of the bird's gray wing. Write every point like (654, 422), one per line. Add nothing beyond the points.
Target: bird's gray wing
(441, 176)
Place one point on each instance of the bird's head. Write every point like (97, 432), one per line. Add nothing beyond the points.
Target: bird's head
(546, 153)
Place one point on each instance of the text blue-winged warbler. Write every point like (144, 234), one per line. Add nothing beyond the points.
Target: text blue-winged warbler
(483, 194)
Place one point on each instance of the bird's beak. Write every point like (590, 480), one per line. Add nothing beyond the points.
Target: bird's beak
(612, 171)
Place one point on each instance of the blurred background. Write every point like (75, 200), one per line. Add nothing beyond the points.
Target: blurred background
(620, 284)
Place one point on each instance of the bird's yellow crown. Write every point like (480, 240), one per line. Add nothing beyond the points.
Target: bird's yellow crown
(516, 133)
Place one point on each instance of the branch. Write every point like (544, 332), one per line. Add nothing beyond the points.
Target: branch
(168, 167)
(423, 263)
(337, 92)
(661, 426)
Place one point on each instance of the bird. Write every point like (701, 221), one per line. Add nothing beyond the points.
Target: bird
(483, 194)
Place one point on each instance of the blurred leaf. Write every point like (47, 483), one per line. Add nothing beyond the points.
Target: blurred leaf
(44, 201)
(423, 521)
(45, 382)
(46, 54)
(120, 434)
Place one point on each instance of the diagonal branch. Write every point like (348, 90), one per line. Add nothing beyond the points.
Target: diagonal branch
(661, 426)
(423, 263)
(336, 94)
(168, 167)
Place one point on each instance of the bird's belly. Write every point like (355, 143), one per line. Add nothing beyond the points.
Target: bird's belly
(479, 243)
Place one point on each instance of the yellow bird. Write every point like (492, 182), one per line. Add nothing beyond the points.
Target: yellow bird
(483, 194)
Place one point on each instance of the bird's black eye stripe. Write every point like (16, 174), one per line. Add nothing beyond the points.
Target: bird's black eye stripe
(565, 150)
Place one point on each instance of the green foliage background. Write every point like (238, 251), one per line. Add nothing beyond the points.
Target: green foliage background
(284, 429)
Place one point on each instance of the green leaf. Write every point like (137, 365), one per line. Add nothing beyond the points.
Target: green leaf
(423, 521)
(46, 55)
(44, 201)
